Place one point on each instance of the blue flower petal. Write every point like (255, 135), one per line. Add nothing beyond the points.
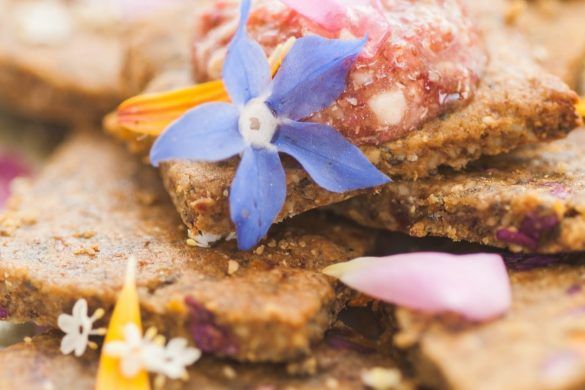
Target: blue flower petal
(246, 72)
(333, 162)
(206, 133)
(257, 195)
(312, 75)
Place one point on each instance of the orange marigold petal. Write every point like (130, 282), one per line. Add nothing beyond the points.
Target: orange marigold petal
(151, 114)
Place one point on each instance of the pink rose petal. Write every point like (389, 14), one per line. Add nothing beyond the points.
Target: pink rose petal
(474, 286)
(359, 18)
(329, 14)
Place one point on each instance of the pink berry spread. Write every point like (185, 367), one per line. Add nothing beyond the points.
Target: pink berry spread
(423, 58)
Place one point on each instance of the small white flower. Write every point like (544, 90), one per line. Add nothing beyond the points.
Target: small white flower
(78, 327)
(134, 351)
(204, 240)
(137, 353)
(176, 356)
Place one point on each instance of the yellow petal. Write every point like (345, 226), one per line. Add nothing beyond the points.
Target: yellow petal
(279, 53)
(581, 107)
(127, 311)
(150, 114)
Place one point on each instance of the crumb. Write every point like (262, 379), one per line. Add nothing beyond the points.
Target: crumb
(260, 250)
(229, 372)
(379, 378)
(233, 267)
(331, 383)
(91, 250)
(86, 234)
(515, 9)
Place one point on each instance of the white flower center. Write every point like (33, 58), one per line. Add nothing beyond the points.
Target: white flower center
(258, 124)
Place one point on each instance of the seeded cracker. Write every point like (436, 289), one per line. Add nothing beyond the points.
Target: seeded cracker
(273, 308)
(517, 103)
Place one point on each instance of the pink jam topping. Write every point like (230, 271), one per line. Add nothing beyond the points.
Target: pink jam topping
(423, 58)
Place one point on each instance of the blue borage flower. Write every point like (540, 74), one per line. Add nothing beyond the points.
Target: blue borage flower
(264, 120)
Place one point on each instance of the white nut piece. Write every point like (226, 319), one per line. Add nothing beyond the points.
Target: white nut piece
(389, 107)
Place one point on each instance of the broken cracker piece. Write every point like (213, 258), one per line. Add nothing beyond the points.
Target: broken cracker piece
(532, 200)
(516, 104)
(273, 308)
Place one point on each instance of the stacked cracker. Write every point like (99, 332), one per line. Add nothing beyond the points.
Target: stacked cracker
(271, 312)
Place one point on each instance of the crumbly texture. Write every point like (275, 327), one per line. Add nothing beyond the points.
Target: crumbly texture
(532, 201)
(60, 72)
(498, 194)
(537, 345)
(39, 364)
(69, 234)
(517, 103)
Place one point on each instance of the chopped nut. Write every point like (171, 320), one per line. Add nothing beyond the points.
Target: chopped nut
(229, 372)
(380, 378)
(86, 234)
(260, 250)
(233, 267)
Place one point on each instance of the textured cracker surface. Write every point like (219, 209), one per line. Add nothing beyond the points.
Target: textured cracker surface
(537, 345)
(68, 235)
(498, 193)
(516, 104)
(76, 79)
(29, 366)
(494, 194)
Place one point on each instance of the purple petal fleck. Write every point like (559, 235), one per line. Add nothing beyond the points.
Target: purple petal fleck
(521, 262)
(340, 341)
(518, 238)
(207, 334)
(533, 229)
(558, 190)
(575, 289)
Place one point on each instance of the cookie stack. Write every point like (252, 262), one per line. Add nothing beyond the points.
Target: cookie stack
(247, 147)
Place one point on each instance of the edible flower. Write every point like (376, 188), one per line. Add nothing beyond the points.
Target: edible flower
(137, 353)
(150, 114)
(126, 312)
(346, 18)
(134, 352)
(264, 120)
(174, 357)
(128, 356)
(474, 286)
(581, 107)
(78, 328)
